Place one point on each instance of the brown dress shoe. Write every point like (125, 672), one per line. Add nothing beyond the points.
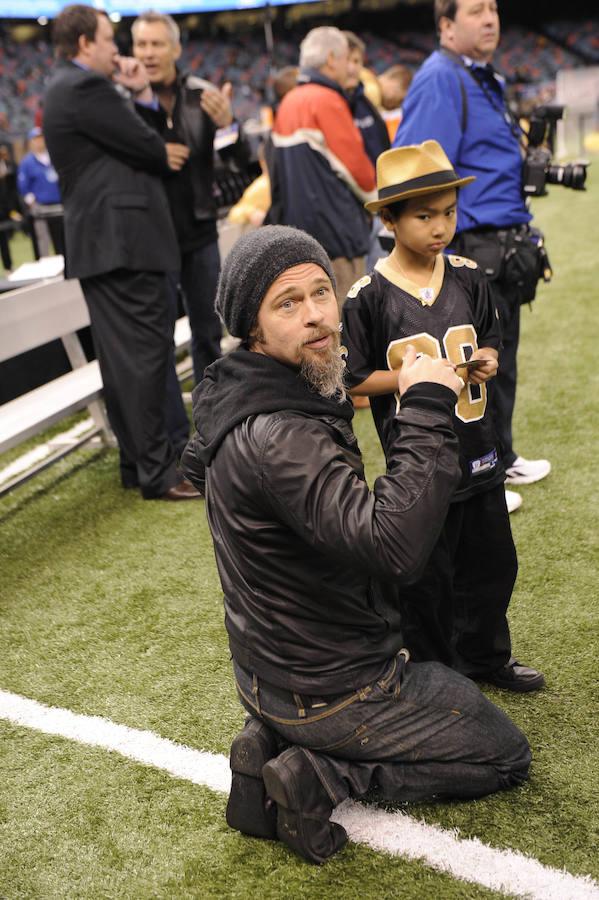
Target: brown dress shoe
(184, 490)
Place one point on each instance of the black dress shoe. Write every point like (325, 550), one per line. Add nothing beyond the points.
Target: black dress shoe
(515, 677)
(303, 807)
(249, 810)
(184, 490)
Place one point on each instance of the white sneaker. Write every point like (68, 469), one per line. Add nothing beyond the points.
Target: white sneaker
(525, 471)
(513, 500)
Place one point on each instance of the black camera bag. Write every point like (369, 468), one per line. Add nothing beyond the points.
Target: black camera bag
(514, 256)
(522, 262)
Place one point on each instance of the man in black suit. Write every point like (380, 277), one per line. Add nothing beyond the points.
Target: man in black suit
(119, 236)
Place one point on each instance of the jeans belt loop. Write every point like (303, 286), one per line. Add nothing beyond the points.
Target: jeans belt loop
(255, 692)
(301, 710)
(403, 658)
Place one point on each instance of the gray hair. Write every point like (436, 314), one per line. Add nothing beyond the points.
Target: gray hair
(318, 43)
(151, 16)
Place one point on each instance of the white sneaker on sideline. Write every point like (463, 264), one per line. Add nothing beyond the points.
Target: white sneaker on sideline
(513, 501)
(526, 471)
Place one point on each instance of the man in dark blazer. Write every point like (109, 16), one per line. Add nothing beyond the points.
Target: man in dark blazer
(119, 236)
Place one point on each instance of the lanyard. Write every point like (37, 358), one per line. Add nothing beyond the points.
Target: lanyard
(501, 108)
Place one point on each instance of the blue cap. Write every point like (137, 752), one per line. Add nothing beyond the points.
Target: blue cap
(34, 132)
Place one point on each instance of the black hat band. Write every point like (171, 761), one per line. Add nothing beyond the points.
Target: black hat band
(435, 179)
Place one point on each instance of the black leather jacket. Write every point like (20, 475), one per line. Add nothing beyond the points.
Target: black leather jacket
(193, 187)
(309, 558)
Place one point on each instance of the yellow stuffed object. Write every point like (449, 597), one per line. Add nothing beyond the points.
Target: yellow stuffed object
(253, 204)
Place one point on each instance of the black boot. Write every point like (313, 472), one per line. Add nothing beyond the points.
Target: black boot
(303, 807)
(249, 810)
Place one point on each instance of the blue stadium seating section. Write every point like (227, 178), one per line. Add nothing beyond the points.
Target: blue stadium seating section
(525, 57)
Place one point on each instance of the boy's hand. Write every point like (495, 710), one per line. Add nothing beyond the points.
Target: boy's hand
(487, 370)
(416, 369)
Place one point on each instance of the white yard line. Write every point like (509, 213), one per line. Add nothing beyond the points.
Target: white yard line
(394, 833)
(208, 769)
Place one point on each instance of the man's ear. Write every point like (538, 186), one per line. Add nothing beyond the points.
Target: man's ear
(254, 335)
(446, 30)
(331, 57)
(178, 51)
(83, 44)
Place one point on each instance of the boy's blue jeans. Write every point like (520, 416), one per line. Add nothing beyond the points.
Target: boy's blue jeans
(421, 731)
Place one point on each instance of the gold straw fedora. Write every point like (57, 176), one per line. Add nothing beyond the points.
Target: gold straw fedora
(410, 171)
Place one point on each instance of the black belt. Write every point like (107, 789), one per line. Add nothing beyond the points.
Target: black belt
(492, 229)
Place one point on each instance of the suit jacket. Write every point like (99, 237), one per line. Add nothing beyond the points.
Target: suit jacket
(109, 164)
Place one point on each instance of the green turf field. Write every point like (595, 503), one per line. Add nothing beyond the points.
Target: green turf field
(111, 606)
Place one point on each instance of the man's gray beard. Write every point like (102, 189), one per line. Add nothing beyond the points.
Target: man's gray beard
(324, 372)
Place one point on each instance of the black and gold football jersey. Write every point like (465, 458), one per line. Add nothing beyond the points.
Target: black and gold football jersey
(451, 318)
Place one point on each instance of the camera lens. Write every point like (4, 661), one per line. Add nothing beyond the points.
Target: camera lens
(578, 176)
(572, 175)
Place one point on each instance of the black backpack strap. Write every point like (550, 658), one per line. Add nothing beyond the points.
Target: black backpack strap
(458, 63)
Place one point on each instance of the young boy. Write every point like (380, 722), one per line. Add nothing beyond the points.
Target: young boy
(456, 612)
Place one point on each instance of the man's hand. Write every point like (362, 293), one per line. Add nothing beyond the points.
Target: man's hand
(132, 74)
(416, 369)
(487, 370)
(176, 155)
(217, 104)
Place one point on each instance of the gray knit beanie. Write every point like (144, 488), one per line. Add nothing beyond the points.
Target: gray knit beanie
(254, 262)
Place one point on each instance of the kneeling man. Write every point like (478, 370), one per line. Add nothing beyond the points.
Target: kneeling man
(310, 562)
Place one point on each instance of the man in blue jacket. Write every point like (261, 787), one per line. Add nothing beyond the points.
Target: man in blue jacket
(37, 183)
(459, 100)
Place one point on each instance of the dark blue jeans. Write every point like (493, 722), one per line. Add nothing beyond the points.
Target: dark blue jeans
(421, 731)
(199, 277)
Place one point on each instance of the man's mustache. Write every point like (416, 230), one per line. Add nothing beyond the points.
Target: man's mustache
(318, 334)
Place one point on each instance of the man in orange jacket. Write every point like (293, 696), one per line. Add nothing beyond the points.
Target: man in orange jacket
(320, 171)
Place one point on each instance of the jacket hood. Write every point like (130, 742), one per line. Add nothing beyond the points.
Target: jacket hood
(245, 383)
(314, 76)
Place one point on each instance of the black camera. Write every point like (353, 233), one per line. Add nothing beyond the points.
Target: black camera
(538, 169)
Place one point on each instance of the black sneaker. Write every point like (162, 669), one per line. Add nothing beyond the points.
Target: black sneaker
(515, 677)
(249, 810)
(303, 807)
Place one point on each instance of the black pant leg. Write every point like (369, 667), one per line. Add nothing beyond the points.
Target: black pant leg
(177, 422)
(132, 332)
(199, 278)
(56, 229)
(5, 249)
(502, 388)
(485, 572)
(427, 606)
